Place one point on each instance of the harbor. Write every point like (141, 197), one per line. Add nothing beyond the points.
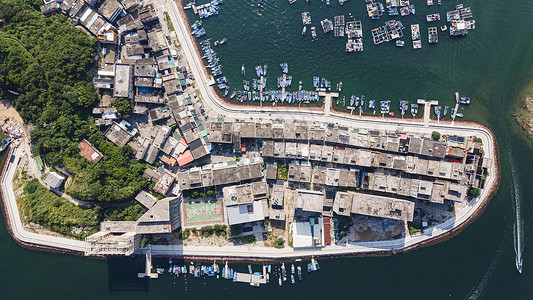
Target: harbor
(279, 274)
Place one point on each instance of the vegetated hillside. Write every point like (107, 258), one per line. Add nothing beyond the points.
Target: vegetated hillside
(45, 208)
(46, 61)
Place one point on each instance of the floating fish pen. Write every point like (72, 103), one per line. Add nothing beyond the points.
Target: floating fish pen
(354, 45)
(327, 25)
(433, 17)
(415, 32)
(405, 11)
(433, 36)
(390, 31)
(417, 44)
(306, 18)
(339, 21)
(354, 29)
(429, 2)
(338, 31)
(374, 10)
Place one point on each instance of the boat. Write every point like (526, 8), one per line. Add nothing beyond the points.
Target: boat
(316, 82)
(414, 109)
(258, 71)
(265, 70)
(439, 2)
(519, 265)
(372, 104)
(313, 32)
(362, 101)
(226, 92)
(399, 43)
(443, 27)
(280, 282)
(459, 115)
(437, 111)
(300, 85)
(445, 111)
(339, 86)
(299, 273)
(269, 268)
(464, 100)
(292, 268)
(243, 71)
(233, 95)
(429, 2)
(234, 276)
(283, 272)
(292, 278)
(433, 36)
(352, 100)
(284, 68)
(412, 7)
(308, 267)
(356, 101)
(452, 113)
(304, 30)
(415, 32)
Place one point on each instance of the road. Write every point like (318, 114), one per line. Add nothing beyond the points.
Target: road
(17, 228)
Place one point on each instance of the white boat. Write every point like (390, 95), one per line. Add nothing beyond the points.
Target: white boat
(304, 30)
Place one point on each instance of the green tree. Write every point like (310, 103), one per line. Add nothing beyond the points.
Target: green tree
(474, 192)
(435, 135)
(124, 106)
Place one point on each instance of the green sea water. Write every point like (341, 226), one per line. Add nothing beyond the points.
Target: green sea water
(491, 65)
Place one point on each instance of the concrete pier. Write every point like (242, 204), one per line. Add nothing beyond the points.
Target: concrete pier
(148, 270)
(457, 98)
(427, 109)
(327, 100)
(251, 278)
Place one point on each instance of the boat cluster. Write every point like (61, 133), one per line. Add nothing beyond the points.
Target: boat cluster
(402, 8)
(322, 84)
(207, 10)
(214, 270)
(214, 65)
(197, 29)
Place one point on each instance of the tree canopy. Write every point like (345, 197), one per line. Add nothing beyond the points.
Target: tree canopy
(44, 71)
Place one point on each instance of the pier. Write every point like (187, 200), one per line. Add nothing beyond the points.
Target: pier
(148, 270)
(327, 99)
(251, 278)
(427, 109)
(457, 98)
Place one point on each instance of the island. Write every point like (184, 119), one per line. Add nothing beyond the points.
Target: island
(163, 165)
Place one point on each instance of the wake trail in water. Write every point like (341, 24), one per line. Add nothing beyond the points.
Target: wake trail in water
(481, 286)
(518, 227)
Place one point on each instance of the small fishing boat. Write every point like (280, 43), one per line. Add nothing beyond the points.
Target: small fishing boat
(339, 86)
(258, 71)
(280, 282)
(264, 70)
(243, 71)
(452, 113)
(284, 67)
(372, 104)
(400, 43)
(292, 278)
(233, 95)
(437, 111)
(316, 82)
(362, 100)
(304, 30)
(464, 100)
(445, 111)
(459, 115)
(300, 85)
(313, 33)
(352, 100)
(357, 101)
(292, 269)
(299, 273)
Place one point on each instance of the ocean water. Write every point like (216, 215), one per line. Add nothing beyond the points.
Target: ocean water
(492, 65)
